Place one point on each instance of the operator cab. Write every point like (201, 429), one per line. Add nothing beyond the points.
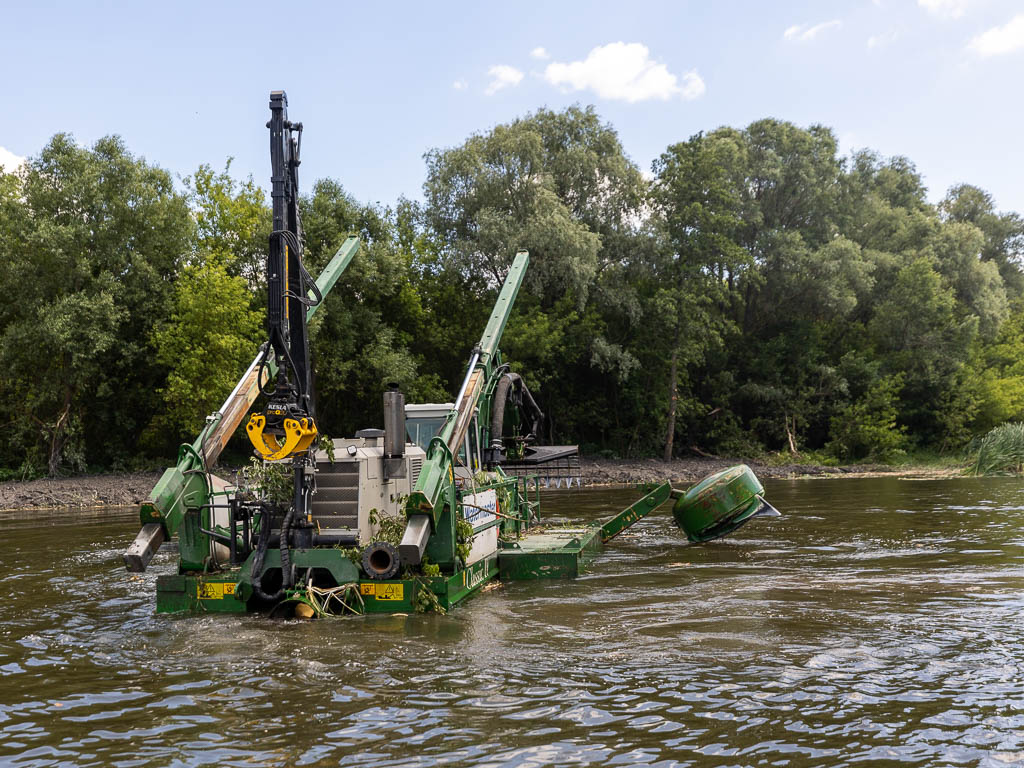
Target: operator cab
(424, 421)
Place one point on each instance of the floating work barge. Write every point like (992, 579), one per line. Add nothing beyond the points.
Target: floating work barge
(535, 553)
(413, 517)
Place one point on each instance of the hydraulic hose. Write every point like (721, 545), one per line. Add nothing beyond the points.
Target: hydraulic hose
(498, 408)
(513, 382)
(287, 577)
(262, 543)
(533, 410)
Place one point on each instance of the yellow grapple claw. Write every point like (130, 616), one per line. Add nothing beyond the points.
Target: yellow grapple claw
(308, 435)
(298, 436)
(254, 429)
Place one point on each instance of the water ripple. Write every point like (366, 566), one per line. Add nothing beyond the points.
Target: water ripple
(876, 622)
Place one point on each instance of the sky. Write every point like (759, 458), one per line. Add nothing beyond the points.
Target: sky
(376, 85)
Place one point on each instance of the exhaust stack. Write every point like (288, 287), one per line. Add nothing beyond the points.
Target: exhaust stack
(394, 432)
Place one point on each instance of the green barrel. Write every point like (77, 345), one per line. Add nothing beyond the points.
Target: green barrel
(719, 504)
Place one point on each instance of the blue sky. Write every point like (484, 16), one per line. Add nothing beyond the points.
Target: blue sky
(378, 84)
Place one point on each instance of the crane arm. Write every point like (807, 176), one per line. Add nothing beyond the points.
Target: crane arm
(184, 485)
(423, 508)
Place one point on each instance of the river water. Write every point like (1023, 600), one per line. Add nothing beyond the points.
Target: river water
(877, 622)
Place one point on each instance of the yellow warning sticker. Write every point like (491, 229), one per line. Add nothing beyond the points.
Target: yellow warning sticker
(214, 590)
(383, 591)
(390, 591)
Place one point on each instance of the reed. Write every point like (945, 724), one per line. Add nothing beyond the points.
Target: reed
(999, 452)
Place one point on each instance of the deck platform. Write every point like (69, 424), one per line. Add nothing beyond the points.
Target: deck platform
(550, 554)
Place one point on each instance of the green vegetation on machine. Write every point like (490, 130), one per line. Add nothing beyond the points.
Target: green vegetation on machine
(377, 523)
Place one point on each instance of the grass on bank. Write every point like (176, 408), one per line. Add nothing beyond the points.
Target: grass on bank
(1000, 452)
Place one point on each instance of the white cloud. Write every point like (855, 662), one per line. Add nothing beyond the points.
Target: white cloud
(946, 9)
(9, 161)
(999, 40)
(502, 76)
(460, 85)
(803, 33)
(540, 53)
(885, 38)
(624, 72)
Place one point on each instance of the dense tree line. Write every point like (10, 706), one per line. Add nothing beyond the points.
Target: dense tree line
(757, 292)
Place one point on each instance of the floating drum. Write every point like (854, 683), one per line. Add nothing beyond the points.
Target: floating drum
(721, 503)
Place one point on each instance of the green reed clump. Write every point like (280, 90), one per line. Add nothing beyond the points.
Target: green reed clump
(999, 452)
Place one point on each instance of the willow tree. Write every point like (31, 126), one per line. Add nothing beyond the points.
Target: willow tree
(94, 237)
(699, 200)
(559, 185)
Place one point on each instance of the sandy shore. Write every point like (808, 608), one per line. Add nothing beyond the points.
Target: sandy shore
(131, 488)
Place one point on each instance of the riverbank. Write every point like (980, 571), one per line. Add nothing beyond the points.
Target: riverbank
(116, 489)
(130, 488)
(690, 470)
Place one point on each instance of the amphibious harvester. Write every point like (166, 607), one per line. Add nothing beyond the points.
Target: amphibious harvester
(415, 516)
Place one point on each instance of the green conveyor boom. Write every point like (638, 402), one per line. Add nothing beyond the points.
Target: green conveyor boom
(435, 487)
(185, 486)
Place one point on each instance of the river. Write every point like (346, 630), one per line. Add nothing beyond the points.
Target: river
(876, 622)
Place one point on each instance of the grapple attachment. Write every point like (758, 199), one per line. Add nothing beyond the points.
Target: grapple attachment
(294, 436)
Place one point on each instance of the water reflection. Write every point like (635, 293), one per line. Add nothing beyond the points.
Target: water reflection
(876, 622)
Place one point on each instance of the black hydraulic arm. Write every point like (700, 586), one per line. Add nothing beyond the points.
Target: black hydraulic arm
(287, 427)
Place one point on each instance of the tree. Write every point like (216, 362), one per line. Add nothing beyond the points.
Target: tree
(869, 428)
(210, 337)
(233, 222)
(976, 283)
(554, 183)
(559, 185)
(371, 330)
(701, 207)
(96, 237)
(1003, 232)
(916, 332)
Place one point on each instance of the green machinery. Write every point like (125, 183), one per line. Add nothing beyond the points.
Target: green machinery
(379, 523)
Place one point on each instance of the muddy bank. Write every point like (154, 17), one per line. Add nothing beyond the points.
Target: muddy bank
(131, 488)
(686, 471)
(82, 491)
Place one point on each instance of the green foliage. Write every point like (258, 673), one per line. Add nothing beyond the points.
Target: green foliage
(391, 527)
(426, 601)
(760, 296)
(1000, 451)
(206, 344)
(554, 183)
(92, 238)
(325, 444)
(868, 428)
(368, 332)
(463, 538)
(272, 481)
(996, 374)
(232, 222)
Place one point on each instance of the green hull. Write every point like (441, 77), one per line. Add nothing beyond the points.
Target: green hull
(560, 554)
(713, 507)
(230, 592)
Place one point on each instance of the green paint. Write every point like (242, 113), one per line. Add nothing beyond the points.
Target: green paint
(550, 554)
(718, 504)
(635, 512)
(211, 593)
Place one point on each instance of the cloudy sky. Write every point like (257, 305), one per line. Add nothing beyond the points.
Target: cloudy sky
(378, 84)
